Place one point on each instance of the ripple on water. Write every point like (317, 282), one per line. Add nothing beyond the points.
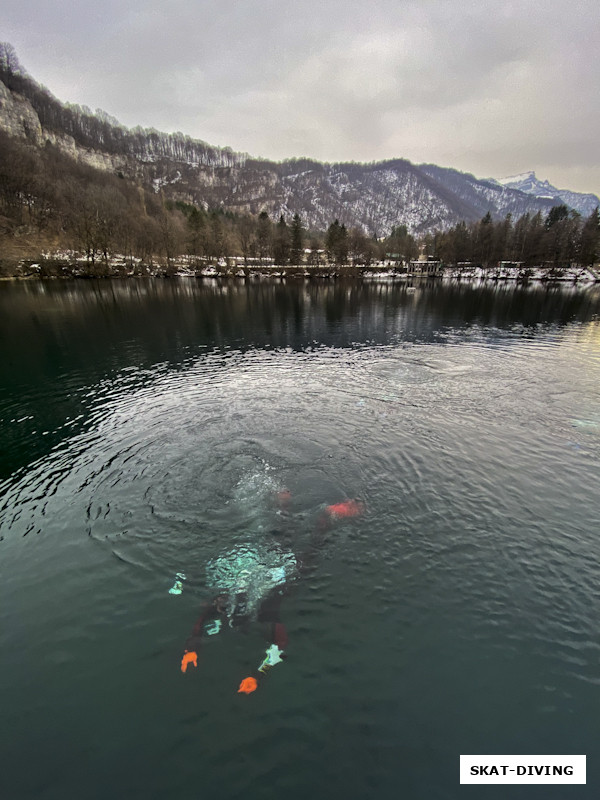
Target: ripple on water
(479, 538)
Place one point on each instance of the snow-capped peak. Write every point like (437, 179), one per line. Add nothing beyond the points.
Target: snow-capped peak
(528, 182)
(521, 178)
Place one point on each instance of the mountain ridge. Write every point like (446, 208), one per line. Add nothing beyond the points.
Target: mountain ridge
(529, 183)
(373, 197)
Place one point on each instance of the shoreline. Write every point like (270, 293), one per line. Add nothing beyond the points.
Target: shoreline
(55, 270)
(73, 265)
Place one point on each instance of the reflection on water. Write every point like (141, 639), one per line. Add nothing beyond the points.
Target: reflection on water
(63, 343)
(148, 426)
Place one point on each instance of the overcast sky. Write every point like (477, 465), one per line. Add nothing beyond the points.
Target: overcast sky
(492, 88)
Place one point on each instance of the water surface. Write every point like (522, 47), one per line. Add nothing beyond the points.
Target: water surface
(146, 427)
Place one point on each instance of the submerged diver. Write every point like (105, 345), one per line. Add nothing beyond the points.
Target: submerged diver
(252, 586)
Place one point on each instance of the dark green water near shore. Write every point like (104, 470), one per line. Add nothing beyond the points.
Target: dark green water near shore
(145, 427)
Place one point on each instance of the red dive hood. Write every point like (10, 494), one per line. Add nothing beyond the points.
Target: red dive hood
(348, 508)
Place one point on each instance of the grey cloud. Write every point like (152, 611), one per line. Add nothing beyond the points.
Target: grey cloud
(483, 86)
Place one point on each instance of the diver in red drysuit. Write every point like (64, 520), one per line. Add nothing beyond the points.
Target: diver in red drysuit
(214, 613)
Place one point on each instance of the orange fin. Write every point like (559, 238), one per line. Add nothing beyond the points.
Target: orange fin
(189, 658)
(248, 685)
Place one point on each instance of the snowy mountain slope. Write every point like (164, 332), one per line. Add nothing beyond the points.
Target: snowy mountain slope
(483, 196)
(528, 183)
(372, 197)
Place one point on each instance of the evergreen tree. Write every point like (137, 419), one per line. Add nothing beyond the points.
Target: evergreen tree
(556, 214)
(520, 237)
(398, 243)
(297, 248)
(331, 239)
(342, 247)
(336, 243)
(572, 238)
(562, 228)
(217, 239)
(463, 243)
(196, 223)
(263, 236)
(590, 239)
(485, 240)
(533, 251)
(501, 240)
(281, 243)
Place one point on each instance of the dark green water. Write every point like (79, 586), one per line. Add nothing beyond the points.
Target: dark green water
(145, 428)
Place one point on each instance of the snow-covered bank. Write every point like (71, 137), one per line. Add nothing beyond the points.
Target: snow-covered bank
(72, 264)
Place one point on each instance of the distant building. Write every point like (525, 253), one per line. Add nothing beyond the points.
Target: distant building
(394, 259)
(429, 266)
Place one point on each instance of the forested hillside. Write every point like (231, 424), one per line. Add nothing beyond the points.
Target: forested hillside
(74, 180)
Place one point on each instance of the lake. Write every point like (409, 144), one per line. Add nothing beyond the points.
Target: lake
(148, 429)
